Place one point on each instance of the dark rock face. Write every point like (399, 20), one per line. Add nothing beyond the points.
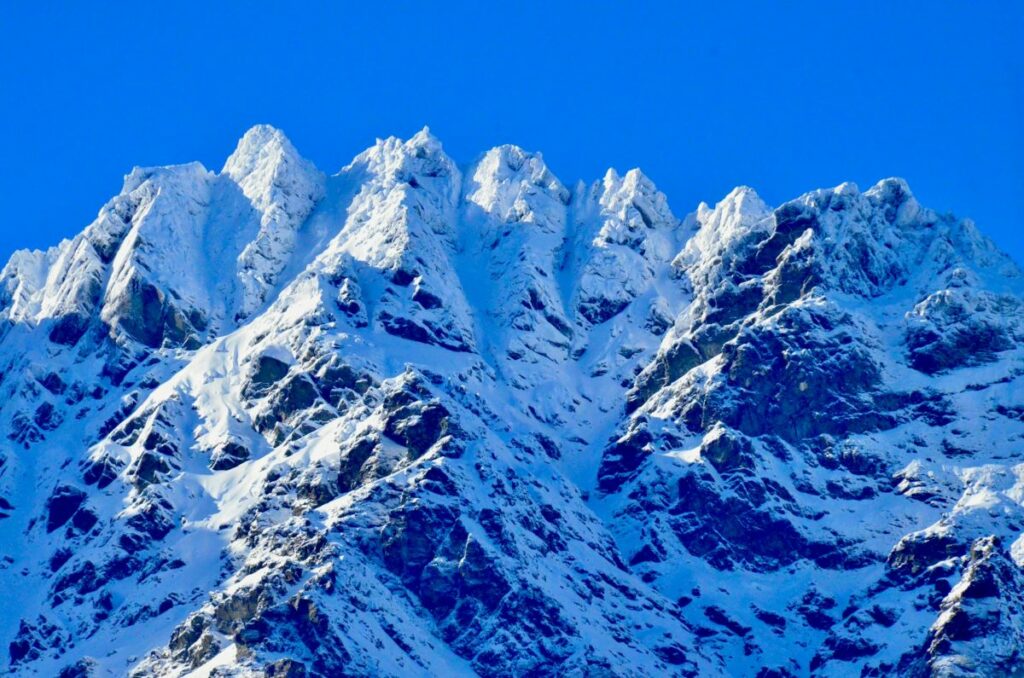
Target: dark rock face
(758, 538)
(425, 332)
(68, 329)
(353, 463)
(84, 668)
(600, 310)
(417, 425)
(101, 472)
(932, 353)
(149, 315)
(621, 461)
(338, 381)
(286, 668)
(192, 643)
(228, 455)
(797, 390)
(915, 553)
(982, 613)
(149, 468)
(35, 639)
(408, 542)
(62, 504)
(290, 396)
(293, 402)
(960, 329)
(265, 372)
(680, 358)
(728, 452)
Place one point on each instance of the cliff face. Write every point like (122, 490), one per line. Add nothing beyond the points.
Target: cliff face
(422, 419)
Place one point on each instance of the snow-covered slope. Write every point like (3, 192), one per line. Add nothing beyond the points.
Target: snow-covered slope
(421, 419)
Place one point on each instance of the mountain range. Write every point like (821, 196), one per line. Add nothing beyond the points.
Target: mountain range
(417, 418)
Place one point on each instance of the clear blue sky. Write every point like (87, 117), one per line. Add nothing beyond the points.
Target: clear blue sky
(785, 97)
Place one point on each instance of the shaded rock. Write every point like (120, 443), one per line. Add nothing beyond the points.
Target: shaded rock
(621, 461)
(417, 425)
(264, 373)
(148, 315)
(919, 551)
(228, 455)
(148, 468)
(61, 505)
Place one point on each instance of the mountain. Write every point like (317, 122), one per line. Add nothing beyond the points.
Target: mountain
(416, 419)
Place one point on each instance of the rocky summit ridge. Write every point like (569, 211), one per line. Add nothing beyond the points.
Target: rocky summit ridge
(416, 418)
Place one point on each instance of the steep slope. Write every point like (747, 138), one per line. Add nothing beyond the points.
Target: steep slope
(429, 421)
(284, 188)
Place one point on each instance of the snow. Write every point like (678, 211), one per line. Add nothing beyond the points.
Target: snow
(284, 188)
(531, 313)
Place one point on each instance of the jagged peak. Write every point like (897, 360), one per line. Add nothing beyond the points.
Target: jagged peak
(189, 171)
(739, 213)
(891, 198)
(741, 205)
(892, 191)
(633, 179)
(261, 145)
(846, 188)
(891, 186)
(23, 275)
(265, 161)
(285, 188)
(628, 201)
(513, 158)
(743, 195)
(895, 193)
(634, 184)
(506, 176)
(424, 139)
(421, 144)
(30, 257)
(399, 161)
(546, 421)
(510, 164)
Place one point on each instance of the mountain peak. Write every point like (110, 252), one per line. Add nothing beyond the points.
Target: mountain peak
(633, 184)
(513, 184)
(402, 161)
(263, 133)
(511, 163)
(424, 139)
(420, 145)
(185, 172)
(283, 187)
(896, 193)
(261, 145)
(745, 197)
(891, 185)
(742, 205)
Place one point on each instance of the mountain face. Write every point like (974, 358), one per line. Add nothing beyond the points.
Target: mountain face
(420, 419)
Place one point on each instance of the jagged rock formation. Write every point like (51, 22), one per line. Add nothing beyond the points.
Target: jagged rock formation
(417, 419)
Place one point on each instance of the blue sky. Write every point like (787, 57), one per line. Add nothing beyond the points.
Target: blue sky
(784, 97)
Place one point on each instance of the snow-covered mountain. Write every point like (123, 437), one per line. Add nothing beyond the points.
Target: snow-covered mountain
(419, 419)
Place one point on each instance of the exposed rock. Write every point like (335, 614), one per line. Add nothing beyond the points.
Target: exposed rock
(61, 505)
(228, 455)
